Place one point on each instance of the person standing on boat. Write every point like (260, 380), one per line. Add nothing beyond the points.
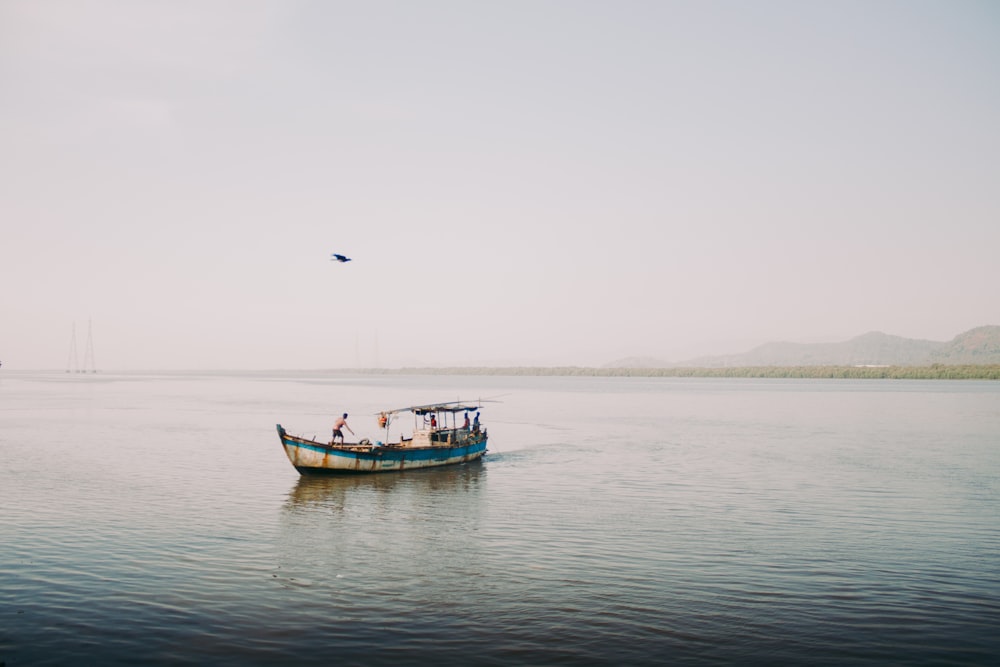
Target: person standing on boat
(341, 423)
(465, 424)
(475, 423)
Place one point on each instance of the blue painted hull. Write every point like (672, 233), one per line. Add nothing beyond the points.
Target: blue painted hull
(312, 457)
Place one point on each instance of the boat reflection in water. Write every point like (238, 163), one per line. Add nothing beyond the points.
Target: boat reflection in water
(407, 489)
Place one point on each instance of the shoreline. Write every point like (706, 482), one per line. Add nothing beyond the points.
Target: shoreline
(933, 372)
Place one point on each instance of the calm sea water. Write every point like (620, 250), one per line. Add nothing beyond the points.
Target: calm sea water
(154, 519)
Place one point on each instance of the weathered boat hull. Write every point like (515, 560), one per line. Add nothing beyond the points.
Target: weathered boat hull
(315, 458)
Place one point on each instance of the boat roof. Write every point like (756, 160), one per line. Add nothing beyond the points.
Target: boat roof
(453, 406)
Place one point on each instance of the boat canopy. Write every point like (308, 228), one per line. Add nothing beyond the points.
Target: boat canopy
(455, 406)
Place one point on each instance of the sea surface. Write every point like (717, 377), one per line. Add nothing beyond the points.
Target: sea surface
(154, 519)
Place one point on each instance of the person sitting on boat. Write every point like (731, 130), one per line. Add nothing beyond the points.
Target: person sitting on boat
(465, 424)
(383, 419)
(475, 423)
(341, 423)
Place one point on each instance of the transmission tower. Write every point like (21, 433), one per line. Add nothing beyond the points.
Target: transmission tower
(71, 363)
(88, 355)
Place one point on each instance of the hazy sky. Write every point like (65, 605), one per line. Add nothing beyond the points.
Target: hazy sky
(526, 182)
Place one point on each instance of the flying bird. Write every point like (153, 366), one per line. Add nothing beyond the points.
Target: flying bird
(339, 258)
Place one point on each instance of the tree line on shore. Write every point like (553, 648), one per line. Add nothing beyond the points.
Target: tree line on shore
(932, 372)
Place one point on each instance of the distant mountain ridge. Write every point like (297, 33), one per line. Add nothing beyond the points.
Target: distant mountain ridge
(976, 346)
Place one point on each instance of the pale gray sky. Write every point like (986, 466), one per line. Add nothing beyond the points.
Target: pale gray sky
(525, 182)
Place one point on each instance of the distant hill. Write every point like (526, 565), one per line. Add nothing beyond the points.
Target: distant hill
(977, 346)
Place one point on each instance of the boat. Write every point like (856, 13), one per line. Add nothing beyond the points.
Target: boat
(432, 443)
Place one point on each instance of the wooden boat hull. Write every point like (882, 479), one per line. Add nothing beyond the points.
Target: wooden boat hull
(316, 458)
